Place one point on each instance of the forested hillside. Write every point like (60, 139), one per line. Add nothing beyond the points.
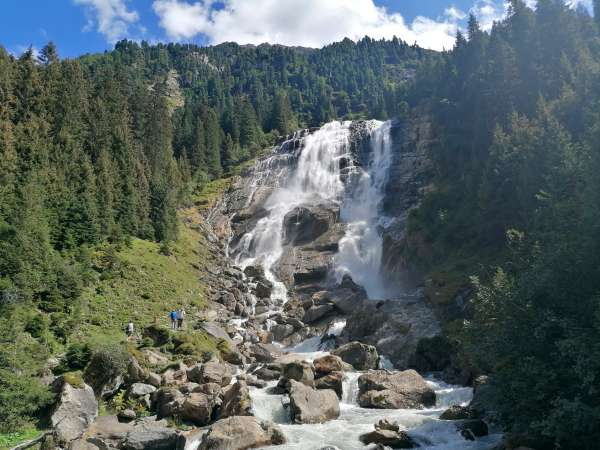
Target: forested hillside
(516, 200)
(98, 153)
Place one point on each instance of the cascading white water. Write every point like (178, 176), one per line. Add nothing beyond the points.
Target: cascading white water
(315, 174)
(317, 178)
(361, 247)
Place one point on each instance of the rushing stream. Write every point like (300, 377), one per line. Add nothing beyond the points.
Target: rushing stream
(322, 171)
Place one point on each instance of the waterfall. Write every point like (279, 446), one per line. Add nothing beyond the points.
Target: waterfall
(315, 178)
(361, 247)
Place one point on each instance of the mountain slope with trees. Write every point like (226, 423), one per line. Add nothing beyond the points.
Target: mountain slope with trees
(516, 114)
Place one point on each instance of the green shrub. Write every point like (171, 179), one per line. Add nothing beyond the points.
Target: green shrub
(186, 348)
(36, 325)
(21, 399)
(106, 364)
(146, 342)
(77, 357)
(75, 379)
(159, 334)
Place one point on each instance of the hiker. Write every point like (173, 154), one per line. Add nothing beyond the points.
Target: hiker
(173, 316)
(180, 317)
(129, 329)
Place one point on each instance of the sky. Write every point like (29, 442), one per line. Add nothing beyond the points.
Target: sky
(88, 26)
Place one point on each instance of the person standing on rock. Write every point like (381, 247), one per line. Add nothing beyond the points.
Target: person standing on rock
(180, 317)
(173, 317)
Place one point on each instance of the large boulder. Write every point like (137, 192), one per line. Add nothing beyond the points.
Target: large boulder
(168, 402)
(309, 405)
(473, 429)
(300, 371)
(263, 353)
(458, 412)
(388, 434)
(394, 390)
(137, 390)
(236, 401)
(241, 433)
(74, 412)
(210, 372)
(315, 313)
(360, 356)
(198, 408)
(333, 381)
(329, 363)
(162, 438)
(304, 224)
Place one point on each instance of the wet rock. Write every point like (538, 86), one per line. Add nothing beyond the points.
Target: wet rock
(317, 312)
(309, 405)
(397, 390)
(74, 412)
(252, 380)
(255, 272)
(300, 371)
(389, 438)
(264, 353)
(472, 429)
(281, 331)
(360, 356)
(267, 374)
(457, 412)
(241, 433)
(304, 224)
(198, 408)
(236, 401)
(333, 381)
(329, 363)
(263, 289)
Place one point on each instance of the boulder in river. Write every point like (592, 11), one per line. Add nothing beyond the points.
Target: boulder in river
(300, 371)
(304, 224)
(236, 401)
(333, 380)
(394, 390)
(388, 434)
(472, 429)
(312, 406)
(457, 412)
(329, 363)
(360, 356)
(241, 433)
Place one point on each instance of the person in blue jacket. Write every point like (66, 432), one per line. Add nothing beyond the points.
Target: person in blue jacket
(173, 317)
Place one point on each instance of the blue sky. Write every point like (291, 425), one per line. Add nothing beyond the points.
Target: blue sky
(86, 26)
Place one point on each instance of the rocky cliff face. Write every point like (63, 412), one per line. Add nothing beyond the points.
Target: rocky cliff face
(311, 234)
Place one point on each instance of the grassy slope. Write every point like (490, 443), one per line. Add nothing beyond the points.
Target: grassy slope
(145, 285)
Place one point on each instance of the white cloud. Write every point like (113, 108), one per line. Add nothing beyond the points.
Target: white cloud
(311, 23)
(454, 13)
(110, 17)
(488, 12)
